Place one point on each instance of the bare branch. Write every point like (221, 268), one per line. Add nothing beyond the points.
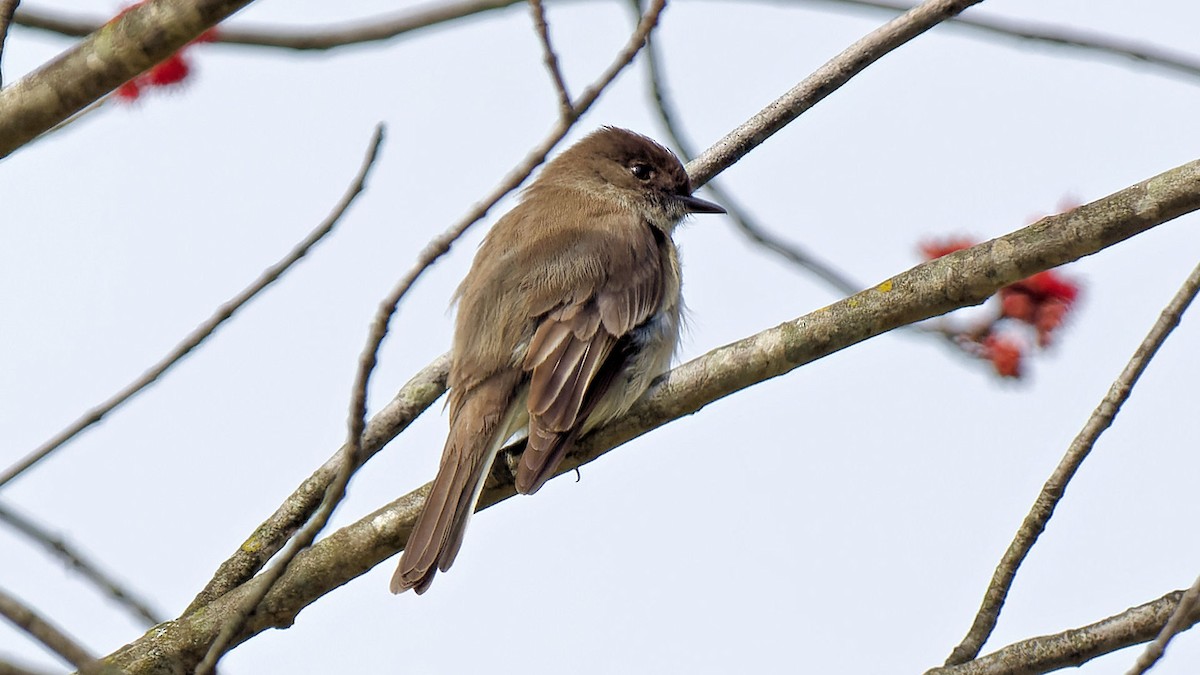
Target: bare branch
(960, 279)
(1076, 646)
(44, 632)
(334, 493)
(740, 217)
(87, 569)
(551, 59)
(118, 51)
(7, 9)
(1181, 619)
(10, 668)
(413, 398)
(386, 27)
(1052, 492)
(374, 29)
(208, 327)
(1062, 36)
(853, 60)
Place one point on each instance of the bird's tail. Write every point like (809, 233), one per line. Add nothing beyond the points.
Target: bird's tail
(479, 425)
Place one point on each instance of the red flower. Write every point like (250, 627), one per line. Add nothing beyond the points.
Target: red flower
(1049, 285)
(936, 248)
(1049, 316)
(1005, 355)
(1017, 305)
(171, 71)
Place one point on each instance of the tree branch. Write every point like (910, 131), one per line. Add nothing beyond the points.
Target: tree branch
(1054, 489)
(44, 632)
(333, 494)
(551, 59)
(824, 81)
(389, 26)
(7, 9)
(1076, 646)
(1185, 614)
(740, 217)
(115, 53)
(209, 326)
(87, 569)
(960, 279)
(374, 29)
(1061, 36)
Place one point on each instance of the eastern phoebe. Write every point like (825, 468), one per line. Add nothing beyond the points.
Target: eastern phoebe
(570, 309)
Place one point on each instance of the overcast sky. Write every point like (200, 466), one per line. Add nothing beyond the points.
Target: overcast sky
(862, 501)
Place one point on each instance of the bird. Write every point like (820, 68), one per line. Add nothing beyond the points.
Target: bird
(571, 308)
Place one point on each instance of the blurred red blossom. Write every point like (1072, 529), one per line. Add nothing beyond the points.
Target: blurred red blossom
(170, 72)
(1039, 303)
(1004, 353)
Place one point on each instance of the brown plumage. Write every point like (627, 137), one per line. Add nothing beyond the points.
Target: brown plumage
(570, 309)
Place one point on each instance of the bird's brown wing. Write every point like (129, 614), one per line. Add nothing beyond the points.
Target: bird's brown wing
(578, 352)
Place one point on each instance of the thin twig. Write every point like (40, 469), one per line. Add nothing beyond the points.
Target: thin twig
(379, 326)
(1052, 492)
(374, 29)
(205, 329)
(741, 217)
(824, 81)
(551, 59)
(389, 26)
(1062, 36)
(43, 631)
(7, 9)
(10, 668)
(1180, 620)
(86, 568)
(349, 458)
(268, 538)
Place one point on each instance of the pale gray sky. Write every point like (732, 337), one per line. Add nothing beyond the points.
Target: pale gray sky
(867, 497)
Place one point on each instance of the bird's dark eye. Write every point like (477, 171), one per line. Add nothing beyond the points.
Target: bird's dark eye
(641, 171)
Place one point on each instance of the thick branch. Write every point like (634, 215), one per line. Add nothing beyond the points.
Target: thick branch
(961, 279)
(118, 51)
(1076, 646)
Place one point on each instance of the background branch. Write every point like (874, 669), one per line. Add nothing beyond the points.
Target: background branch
(825, 80)
(382, 28)
(7, 9)
(739, 216)
(1054, 489)
(1182, 618)
(208, 327)
(333, 494)
(1061, 36)
(115, 53)
(551, 59)
(44, 632)
(76, 560)
(1076, 646)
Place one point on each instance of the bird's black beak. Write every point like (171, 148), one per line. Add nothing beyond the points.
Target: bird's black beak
(697, 205)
